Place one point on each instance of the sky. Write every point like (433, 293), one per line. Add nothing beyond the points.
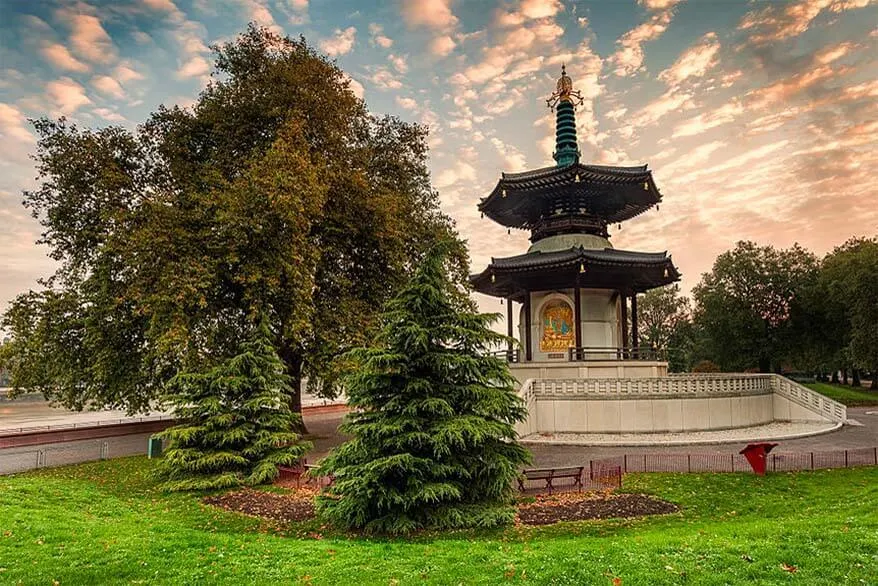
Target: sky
(758, 119)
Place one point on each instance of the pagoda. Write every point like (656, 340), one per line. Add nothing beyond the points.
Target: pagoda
(573, 286)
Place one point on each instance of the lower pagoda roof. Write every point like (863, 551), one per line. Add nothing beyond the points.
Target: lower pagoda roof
(605, 268)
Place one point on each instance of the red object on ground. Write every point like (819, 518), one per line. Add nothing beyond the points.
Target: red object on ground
(755, 454)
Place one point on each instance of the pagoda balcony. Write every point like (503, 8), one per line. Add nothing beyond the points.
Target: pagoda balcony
(591, 354)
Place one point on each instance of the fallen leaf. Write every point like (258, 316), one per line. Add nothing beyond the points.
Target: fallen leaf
(789, 568)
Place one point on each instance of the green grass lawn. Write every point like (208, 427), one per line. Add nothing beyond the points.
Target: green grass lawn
(845, 395)
(104, 523)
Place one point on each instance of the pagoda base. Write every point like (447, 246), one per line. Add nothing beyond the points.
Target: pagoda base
(595, 369)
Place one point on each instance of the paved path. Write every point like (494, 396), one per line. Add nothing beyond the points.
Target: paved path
(31, 412)
(848, 437)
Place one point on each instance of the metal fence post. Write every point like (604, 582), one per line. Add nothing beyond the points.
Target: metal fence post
(689, 462)
(732, 456)
(625, 461)
(845, 458)
(812, 460)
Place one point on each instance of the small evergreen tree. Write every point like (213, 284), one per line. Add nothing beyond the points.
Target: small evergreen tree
(434, 445)
(236, 426)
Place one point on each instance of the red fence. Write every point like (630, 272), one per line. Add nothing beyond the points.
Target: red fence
(778, 462)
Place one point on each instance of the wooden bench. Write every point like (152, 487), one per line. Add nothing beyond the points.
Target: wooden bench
(550, 475)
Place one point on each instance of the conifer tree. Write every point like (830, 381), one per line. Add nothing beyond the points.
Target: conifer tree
(432, 418)
(236, 425)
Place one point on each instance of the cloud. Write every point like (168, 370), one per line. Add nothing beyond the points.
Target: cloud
(384, 79)
(188, 35)
(785, 89)
(431, 14)
(340, 43)
(67, 95)
(124, 73)
(442, 45)
(513, 159)
(12, 124)
(693, 62)
(658, 4)
(460, 171)
(670, 101)
(59, 56)
(777, 22)
(108, 114)
(628, 58)
(258, 12)
(376, 31)
(88, 38)
(705, 121)
(107, 85)
(195, 66)
(399, 63)
(529, 10)
(407, 103)
(355, 86)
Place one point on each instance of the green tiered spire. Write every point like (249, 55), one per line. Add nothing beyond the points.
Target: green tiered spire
(565, 98)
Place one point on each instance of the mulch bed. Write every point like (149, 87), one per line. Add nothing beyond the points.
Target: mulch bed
(545, 510)
(295, 506)
(573, 506)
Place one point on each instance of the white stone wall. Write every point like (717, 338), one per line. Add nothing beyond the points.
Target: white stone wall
(651, 415)
(677, 403)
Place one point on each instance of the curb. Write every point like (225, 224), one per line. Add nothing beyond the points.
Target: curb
(651, 443)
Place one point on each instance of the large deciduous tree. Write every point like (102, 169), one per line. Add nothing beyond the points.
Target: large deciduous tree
(745, 306)
(433, 439)
(277, 193)
(660, 313)
(849, 279)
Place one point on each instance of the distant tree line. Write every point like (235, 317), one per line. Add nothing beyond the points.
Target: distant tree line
(763, 309)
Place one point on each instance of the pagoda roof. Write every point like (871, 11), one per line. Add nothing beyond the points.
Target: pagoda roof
(614, 194)
(605, 268)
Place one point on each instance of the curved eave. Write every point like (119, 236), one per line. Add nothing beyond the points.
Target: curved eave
(614, 193)
(604, 269)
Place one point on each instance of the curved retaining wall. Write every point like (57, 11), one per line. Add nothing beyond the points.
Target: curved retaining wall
(677, 403)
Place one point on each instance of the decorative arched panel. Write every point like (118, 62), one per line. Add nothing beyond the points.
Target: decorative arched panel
(558, 330)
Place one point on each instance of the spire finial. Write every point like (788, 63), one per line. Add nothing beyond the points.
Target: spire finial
(565, 99)
(564, 91)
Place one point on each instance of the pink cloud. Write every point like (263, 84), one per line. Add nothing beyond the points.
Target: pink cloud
(628, 58)
(59, 56)
(88, 38)
(432, 14)
(67, 95)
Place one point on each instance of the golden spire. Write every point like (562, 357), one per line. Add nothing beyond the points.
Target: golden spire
(564, 91)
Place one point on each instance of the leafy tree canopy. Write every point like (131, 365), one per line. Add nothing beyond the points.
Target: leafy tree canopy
(745, 306)
(849, 279)
(277, 193)
(433, 439)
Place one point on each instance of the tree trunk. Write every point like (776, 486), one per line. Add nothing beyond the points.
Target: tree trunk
(874, 384)
(293, 360)
(764, 365)
(834, 378)
(856, 377)
(844, 377)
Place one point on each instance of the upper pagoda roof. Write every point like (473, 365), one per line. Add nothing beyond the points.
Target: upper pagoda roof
(614, 194)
